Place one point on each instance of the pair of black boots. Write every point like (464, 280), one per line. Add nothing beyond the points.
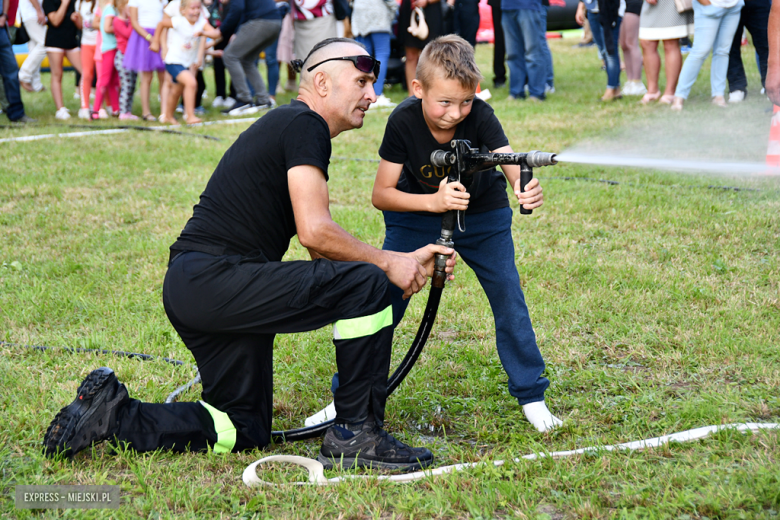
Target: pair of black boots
(92, 418)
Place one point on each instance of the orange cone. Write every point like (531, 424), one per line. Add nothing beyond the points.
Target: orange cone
(773, 148)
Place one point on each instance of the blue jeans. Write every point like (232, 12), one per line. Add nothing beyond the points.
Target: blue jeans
(10, 72)
(549, 76)
(378, 45)
(525, 56)
(272, 65)
(612, 62)
(714, 29)
(487, 248)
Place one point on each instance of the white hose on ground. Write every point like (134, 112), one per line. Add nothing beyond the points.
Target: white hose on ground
(317, 476)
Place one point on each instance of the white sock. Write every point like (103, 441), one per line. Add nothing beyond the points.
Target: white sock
(538, 415)
(326, 414)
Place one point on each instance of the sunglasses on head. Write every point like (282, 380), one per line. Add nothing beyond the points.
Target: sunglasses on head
(363, 63)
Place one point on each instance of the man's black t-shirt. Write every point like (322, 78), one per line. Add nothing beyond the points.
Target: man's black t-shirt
(408, 141)
(66, 34)
(246, 208)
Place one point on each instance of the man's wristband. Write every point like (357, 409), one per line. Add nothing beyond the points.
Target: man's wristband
(148, 37)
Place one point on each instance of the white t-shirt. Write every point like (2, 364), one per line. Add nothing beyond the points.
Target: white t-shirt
(88, 35)
(182, 45)
(150, 12)
(174, 9)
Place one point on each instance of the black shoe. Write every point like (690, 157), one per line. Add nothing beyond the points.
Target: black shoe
(91, 417)
(372, 447)
(499, 83)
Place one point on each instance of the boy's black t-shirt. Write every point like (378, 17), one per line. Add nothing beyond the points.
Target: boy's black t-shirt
(246, 208)
(66, 34)
(408, 141)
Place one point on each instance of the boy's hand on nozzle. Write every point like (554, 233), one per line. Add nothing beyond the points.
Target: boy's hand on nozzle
(451, 196)
(532, 197)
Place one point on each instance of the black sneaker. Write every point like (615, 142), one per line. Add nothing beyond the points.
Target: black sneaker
(91, 417)
(372, 447)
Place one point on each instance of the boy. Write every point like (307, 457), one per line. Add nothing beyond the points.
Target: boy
(413, 195)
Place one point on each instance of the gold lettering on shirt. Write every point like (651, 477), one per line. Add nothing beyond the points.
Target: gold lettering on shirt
(428, 171)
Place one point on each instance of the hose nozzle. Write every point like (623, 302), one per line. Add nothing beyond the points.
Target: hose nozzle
(442, 158)
(535, 159)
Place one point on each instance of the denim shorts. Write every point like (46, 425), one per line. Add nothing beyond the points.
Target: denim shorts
(174, 69)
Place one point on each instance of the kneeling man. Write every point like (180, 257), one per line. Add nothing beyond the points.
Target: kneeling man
(228, 293)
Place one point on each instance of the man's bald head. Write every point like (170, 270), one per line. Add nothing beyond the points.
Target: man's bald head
(327, 49)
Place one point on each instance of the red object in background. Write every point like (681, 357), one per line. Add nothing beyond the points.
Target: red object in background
(485, 31)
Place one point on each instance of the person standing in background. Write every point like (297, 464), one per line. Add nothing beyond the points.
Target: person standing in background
(372, 21)
(413, 46)
(62, 39)
(521, 20)
(754, 18)
(90, 27)
(314, 21)
(144, 16)
(259, 23)
(8, 67)
(34, 22)
(715, 22)
(632, 55)
(466, 20)
(499, 47)
(660, 21)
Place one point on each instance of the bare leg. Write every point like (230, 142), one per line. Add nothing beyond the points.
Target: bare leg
(673, 58)
(412, 56)
(190, 89)
(170, 106)
(55, 65)
(165, 85)
(652, 63)
(146, 86)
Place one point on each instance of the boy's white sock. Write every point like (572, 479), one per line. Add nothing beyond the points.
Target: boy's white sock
(538, 415)
(326, 414)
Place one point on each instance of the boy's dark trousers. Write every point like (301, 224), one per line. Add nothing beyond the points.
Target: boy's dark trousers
(487, 248)
(754, 17)
(227, 310)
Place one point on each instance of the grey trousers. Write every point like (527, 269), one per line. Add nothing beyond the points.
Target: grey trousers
(242, 53)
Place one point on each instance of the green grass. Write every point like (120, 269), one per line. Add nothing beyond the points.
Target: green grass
(656, 304)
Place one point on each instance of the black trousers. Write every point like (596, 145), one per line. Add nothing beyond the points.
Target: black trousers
(754, 17)
(499, 46)
(466, 20)
(228, 310)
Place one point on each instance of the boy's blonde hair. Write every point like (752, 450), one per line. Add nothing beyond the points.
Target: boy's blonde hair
(451, 57)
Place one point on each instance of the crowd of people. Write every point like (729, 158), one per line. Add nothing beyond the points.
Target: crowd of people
(113, 43)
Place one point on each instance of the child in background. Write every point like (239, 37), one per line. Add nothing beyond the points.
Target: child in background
(108, 78)
(186, 48)
(412, 195)
(171, 10)
(144, 16)
(90, 27)
(127, 78)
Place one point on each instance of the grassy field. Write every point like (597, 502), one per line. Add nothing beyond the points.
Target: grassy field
(655, 299)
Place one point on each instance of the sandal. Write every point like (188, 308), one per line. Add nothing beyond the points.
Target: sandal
(647, 98)
(667, 99)
(149, 117)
